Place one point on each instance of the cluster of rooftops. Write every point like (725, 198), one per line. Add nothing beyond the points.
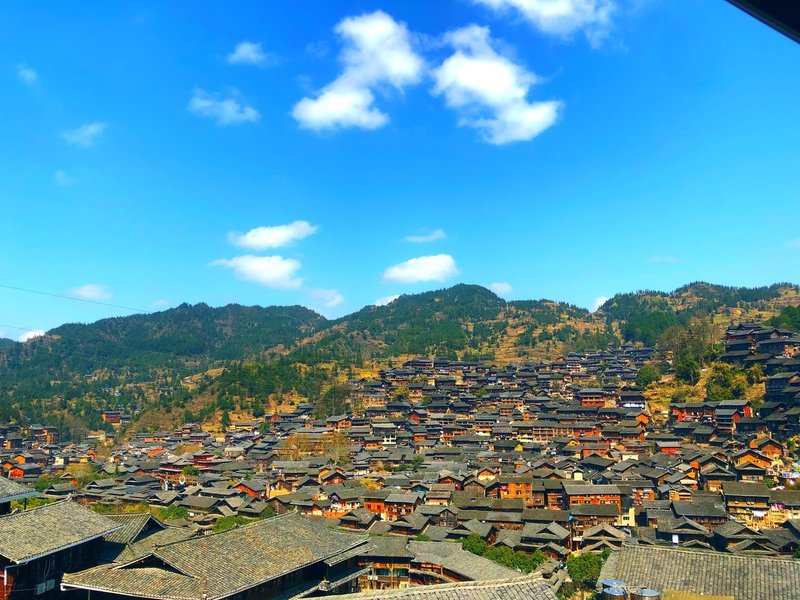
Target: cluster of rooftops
(751, 343)
(527, 457)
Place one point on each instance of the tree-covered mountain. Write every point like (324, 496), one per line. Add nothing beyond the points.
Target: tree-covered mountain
(789, 318)
(464, 321)
(80, 360)
(441, 322)
(643, 316)
(194, 332)
(264, 354)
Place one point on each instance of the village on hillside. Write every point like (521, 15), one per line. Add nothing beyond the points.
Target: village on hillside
(400, 300)
(530, 479)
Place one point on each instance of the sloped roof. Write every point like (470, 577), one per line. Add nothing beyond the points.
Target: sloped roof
(544, 531)
(456, 559)
(132, 552)
(141, 583)
(227, 562)
(745, 577)
(11, 490)
(132, 525)
(41, 531)
(518, 588)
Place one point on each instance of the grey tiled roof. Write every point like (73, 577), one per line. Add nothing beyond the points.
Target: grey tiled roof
(41, 531)
(455, 559)
(386, 546)
(139, 583)
(11, 490)
(519, 588)
(744, 577)
(126, 554)
(132, 525)
(228, 562)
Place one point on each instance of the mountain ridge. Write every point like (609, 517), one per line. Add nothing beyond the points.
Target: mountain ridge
(141, 361)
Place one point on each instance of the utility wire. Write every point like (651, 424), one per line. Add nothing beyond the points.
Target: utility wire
(101, 359)
(18, 327)
(64, 296)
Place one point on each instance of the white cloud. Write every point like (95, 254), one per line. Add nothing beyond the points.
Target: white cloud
(561, 17)
(386, 300)
(793, 244)
(160, 303)
(86, 135)
(62, 178)
(226, 111)
(598, 302)
(270, 271)
(436, 234)
(340, 108)
(249, 53)
(489, 91)
(29, 335)
(27, 75)
(438, 267)
(275, 236)
(92, 291)
(330, 298)
(661, 259)
(501, 288)
(377, 52)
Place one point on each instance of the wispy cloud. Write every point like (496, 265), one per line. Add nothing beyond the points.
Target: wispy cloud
(598, 302)
(160, 303)
(501, 288)
(91, 291)
(489, 91)
(270, 271)
(225, 110)
(662, 259)
(27, 74)
(377, 52)
(29, 335)
(275, 236)
(436, 234)
(62, 178)
(330, 298)
(561, 17)
(793, 244)
(85, 136)
(386, 300)
(439, 267)
(249, 53)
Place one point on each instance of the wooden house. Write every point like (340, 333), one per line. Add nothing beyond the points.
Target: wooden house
(33, 563)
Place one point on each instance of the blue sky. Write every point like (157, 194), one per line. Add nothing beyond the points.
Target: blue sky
(332, 154)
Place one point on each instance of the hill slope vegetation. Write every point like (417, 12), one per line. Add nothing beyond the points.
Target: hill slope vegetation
(241, 357)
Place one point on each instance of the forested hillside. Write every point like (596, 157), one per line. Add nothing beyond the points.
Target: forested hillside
(644, 316)
(259, 356)
(84, 368)
(789, 318)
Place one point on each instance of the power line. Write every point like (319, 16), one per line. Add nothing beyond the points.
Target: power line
(105, 360)
(65, 297)
(18, 327)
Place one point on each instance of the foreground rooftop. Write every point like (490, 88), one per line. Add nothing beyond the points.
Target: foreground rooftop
(518, 588)
(701, 572)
